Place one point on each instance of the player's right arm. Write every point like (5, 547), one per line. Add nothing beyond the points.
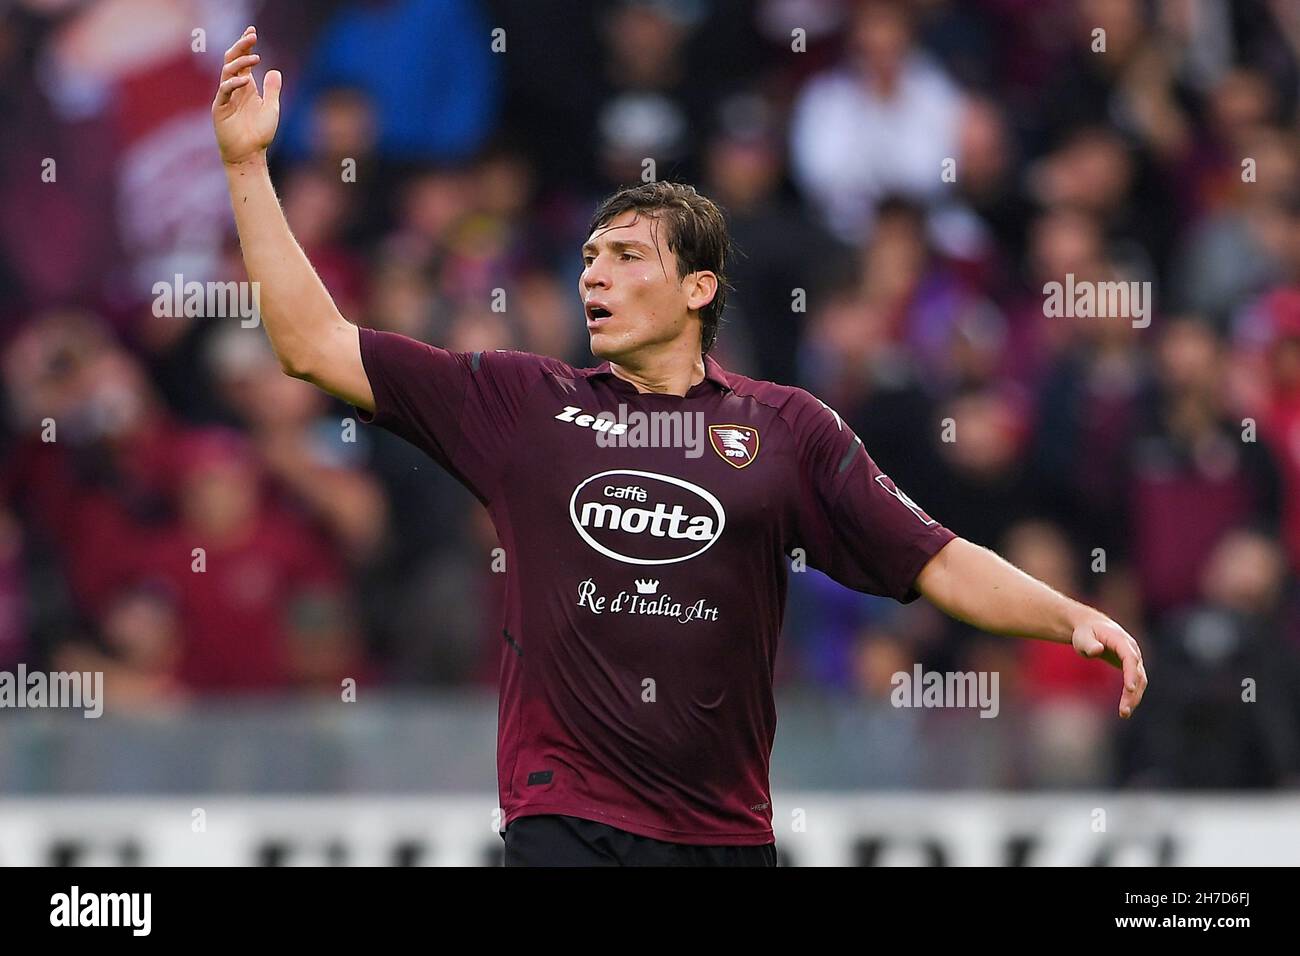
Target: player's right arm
(310, 337)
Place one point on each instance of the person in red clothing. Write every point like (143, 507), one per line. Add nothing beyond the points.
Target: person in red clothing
(124, 495)
(645, 587)
(260, 597)
(1192, 478)
(235, 594)
(91, 469)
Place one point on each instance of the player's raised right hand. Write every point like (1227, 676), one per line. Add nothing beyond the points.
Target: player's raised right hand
(245, 121)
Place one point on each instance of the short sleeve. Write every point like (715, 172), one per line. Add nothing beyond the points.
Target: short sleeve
(854, 523)
(460, 408)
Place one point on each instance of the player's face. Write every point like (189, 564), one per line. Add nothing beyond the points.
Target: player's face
(630, 291)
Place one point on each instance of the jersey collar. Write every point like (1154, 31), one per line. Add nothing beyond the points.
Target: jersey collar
(713, 372)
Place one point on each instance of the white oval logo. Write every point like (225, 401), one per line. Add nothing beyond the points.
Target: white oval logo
(660, 518)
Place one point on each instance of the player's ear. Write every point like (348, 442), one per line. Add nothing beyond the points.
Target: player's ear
(701, 287)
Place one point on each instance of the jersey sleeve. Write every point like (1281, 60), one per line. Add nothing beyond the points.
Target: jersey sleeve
(460, 408)
(854, 524)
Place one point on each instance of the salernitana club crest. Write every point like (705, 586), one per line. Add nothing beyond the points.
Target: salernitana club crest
(737, 445)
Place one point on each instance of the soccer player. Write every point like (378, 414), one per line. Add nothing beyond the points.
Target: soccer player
(645, 585)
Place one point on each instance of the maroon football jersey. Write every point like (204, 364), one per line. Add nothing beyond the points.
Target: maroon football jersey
(645, 585)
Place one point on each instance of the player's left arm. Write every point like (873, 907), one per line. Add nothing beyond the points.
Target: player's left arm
(975, 585)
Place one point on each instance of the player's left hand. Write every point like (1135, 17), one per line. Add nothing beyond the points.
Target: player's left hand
(1102, 638)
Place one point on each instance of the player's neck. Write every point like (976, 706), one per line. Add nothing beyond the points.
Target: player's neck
(667, 374)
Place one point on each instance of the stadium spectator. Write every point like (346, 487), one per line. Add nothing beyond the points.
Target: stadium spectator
(261, 601)
(427, 108)
(1193, 480)
(884, 122)
(1227, 715)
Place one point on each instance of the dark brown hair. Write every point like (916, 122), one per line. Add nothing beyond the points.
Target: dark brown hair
(697, 236)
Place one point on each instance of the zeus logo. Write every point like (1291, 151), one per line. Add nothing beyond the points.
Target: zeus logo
(603, 422)
(887, 483)
(639, 517)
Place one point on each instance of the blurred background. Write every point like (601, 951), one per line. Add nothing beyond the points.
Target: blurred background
(432, 152)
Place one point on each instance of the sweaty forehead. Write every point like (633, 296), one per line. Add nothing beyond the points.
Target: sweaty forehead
(630, 226)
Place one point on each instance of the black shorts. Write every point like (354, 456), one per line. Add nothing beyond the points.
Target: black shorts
(553, 840)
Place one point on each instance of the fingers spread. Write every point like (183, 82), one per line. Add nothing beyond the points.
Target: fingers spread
(237, 70)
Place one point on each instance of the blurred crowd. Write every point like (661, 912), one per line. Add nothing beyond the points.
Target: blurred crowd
(178, 513)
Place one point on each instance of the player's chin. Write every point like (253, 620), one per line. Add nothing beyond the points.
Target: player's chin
(607, 347)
